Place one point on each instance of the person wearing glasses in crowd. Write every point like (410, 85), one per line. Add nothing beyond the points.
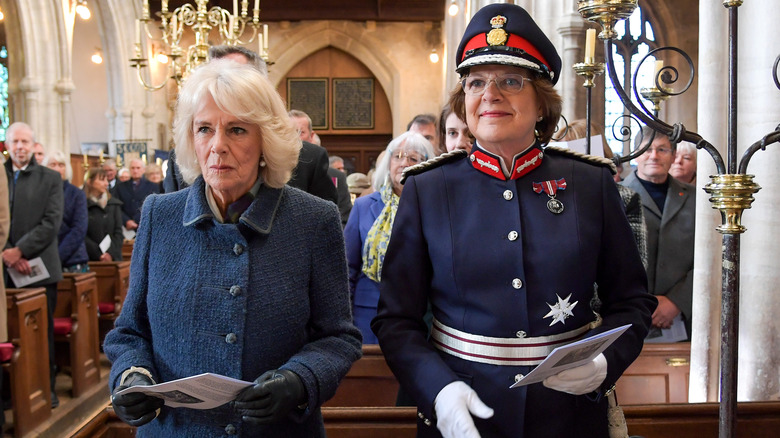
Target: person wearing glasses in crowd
(505, 243)
(370, 222)
(670, 216)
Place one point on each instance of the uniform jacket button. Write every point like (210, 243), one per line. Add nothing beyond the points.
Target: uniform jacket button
(518, 377)
(508, 195)
(238, 249)
(231, 338)
(520, 334)
(427, 422)
(517, 283)
(235, 290)
(230, 429)
(512, 236)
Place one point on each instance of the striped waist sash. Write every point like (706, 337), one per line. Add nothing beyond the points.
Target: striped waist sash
(501, 351)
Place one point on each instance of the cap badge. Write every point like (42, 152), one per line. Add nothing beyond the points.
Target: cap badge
(497, 36)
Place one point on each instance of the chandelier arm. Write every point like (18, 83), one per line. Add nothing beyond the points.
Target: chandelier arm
(773, 137)
(720, 165)
(648, 120)
(774, 72)
(146, 86)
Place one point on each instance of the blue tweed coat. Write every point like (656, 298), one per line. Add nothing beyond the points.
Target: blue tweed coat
(237, 300)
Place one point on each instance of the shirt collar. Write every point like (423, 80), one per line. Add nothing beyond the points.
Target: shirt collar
(213, 203)
(493, 165)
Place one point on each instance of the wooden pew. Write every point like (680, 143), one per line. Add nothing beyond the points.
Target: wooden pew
(29, 365)
(659, 375)
(754, 420)
(127, 249)
(368, 383)
(76, 329)
(113, 279)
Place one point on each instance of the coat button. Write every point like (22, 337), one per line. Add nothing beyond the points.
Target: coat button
(420, 415)
(231, 338)
(508, 195)
(520, 334)
(517, 283)
(512, 236)
(235, 290)
(230, 429)
(427, 422)
(238, 249)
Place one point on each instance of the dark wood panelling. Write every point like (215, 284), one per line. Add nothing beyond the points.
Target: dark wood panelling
(356, 10)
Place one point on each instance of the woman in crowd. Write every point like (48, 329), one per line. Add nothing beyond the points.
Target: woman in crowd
(453, 132)
(105, 218)
(154, 174)
(684, 167)
(370, 223)
(73, 251)
(123, 174)
(506, 245)
(632, 203)
(238, 275)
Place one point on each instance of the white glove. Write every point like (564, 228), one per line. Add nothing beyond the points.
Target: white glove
(580, 380)
(454, 406)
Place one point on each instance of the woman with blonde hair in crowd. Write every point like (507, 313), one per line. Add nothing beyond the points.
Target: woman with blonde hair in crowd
(368, 229)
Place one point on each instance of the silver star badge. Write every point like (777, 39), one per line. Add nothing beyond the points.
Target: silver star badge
(561, 310)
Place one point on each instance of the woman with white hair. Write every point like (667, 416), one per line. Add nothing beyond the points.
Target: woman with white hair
(684, 166)
(368, 229)
(73, 251)
(238, 274)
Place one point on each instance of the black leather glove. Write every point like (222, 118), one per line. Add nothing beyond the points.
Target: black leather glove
(272, 397)
(135, 409)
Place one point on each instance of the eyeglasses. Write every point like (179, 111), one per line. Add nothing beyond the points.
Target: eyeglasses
(659, 151)
(508, 83)
(411, 158)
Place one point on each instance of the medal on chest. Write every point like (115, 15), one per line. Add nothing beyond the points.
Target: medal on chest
(561, 310)
(551, 188)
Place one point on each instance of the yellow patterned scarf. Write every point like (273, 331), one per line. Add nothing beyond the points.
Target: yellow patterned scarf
(379, 235)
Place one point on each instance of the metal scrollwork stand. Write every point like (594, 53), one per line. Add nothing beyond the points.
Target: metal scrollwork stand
(731, 189)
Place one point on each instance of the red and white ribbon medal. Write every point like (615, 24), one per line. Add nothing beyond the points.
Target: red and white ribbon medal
(551, 187)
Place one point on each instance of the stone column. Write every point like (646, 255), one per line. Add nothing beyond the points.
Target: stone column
(572, 30)
(712, 120)
(759, 112)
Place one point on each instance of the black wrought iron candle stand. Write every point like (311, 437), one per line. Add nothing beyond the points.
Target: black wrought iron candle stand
(731, 189)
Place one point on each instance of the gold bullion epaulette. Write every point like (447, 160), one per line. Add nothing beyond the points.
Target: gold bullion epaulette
(592, 159)
(434, 162)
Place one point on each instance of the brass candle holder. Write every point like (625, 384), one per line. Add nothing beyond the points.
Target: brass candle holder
(731, 194)
(589, 70)
(607, 13)
(656, 96)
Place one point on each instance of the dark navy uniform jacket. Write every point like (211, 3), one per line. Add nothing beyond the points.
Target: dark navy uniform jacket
(452, 244)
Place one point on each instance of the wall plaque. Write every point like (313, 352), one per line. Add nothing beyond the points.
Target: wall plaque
(309, 95)
(353, 103)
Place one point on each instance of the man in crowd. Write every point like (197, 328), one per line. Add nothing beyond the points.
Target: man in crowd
(670, 214)
(425, 124)
(40, 152)
(36, 204)
(337, 163)
(110, 168)
(316, 154)
(133, 192)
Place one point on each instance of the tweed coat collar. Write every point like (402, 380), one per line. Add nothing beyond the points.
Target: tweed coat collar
(258, 217)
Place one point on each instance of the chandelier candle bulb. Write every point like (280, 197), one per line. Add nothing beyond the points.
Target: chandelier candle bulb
(244, 6)
(230, 25)
(265, 38)
(164, 6)
(174, 24)
(590, 46)
(659, 65)
(138, 31)
(235, 8)
(145, 10)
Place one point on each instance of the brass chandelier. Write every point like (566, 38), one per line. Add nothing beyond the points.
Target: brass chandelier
(232, 29)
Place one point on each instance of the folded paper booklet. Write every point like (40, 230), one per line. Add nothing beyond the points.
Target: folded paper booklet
(571, 356)
(38, 272)
(204, 391)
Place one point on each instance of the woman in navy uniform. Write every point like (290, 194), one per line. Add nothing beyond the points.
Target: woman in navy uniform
(506, 242)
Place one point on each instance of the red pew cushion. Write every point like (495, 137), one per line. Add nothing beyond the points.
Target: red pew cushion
(6, 351)
(106, 308)
(62, 326)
